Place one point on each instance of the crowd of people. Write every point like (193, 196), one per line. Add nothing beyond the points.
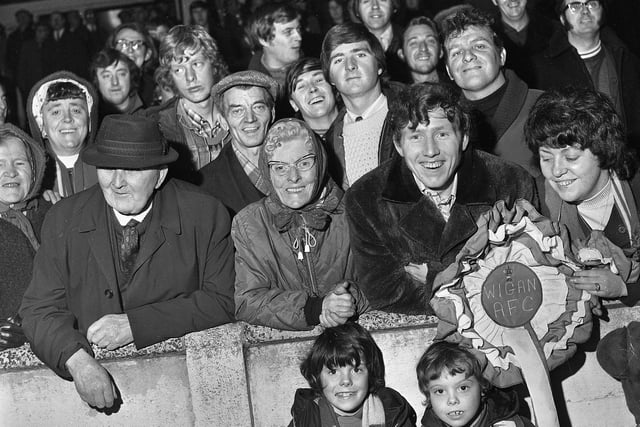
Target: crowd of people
(299, 164)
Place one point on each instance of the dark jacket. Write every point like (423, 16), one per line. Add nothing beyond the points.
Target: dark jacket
(393, 224)
(498, 406)
(560, 65)
(225, 179)
(397, 411)
(335, 141)
(84, 175)
(503, 135)
(16, 260)
(519, 58)
(182, 280)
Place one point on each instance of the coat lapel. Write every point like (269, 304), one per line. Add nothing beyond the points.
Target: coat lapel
(421, 221)
(165, 219)
(94, 223)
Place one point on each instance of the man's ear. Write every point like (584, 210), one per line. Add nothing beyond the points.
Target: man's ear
(446, 67)
(273, 115)
(263, 42)
(162, 176)
(293, 105)
(147, 56)
(503, 57)
(401, 54)
(398, 147)
(562, 21)
(465, 142)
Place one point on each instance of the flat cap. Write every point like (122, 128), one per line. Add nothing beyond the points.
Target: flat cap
(244, 78)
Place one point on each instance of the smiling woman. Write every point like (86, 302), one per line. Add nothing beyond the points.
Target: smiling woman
(591, 185)
(293, 262)
(22, 164)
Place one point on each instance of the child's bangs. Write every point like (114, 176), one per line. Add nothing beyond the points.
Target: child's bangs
(343, 357)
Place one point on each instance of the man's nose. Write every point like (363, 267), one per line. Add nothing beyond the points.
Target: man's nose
(114, 80)
(375, 4)
(468, 55)
(119, 179)
(422, 47)
(431, 148)
(351, 64)
(190, 74)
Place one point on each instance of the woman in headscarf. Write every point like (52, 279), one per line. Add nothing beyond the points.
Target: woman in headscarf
(591, 185)
(22, 164)
(294, 268)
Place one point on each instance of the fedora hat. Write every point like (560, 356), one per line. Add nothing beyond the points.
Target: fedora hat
(129, 142)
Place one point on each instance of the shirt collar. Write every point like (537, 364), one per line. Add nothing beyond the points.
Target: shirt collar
(442, 195)
(124, 219)
(377, 105)
(386, 37)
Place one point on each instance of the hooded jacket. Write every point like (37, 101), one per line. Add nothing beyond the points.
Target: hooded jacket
(16, 252)
(84, 176)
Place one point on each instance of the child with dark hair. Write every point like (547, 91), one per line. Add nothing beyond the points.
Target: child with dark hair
(345, 370)
(457, 395)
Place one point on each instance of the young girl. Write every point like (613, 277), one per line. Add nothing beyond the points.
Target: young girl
(346, 373)
(458, 395)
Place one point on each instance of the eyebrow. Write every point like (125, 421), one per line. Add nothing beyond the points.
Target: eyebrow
(354, 50)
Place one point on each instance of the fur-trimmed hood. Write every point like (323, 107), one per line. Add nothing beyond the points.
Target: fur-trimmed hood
(36, 100)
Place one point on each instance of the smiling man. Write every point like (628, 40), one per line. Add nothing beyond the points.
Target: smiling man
(499, 99)
(410, 217)
(353, 61)
(63, 117)
(190, 122)
(247, 100)
(137, 259)
(421, 50)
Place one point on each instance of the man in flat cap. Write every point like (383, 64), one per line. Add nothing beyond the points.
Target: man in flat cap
(246, 100)
(136, 259)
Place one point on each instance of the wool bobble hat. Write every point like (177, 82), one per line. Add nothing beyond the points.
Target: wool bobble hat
(129, 142)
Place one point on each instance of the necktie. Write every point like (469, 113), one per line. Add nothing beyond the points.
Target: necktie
(129, 248)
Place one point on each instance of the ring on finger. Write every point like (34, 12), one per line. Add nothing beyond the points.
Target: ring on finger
(597, 287)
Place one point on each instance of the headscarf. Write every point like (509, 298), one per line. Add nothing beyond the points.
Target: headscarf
(13, 213)
(326, 195)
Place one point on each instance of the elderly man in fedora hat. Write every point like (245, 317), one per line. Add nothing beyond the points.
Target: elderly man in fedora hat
(136, 259)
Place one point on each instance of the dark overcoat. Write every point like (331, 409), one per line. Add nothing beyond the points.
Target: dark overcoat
(393, 224)
(182, 281)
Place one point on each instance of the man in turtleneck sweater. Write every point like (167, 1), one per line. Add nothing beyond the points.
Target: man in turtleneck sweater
(500, 101)
(586, 54)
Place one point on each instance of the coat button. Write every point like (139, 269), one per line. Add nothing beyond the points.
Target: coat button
(108, 293)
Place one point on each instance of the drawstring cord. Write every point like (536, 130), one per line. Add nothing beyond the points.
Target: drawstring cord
(308, 240)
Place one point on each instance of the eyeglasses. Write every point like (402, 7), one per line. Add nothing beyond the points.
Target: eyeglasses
(304, 164)
(576, 7)
(123, 44)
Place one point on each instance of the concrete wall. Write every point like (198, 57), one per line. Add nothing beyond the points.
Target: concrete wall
(240, 375)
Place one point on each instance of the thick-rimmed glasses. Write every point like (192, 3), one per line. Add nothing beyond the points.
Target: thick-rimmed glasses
(123, 44)
(303, 164)
(576, 7)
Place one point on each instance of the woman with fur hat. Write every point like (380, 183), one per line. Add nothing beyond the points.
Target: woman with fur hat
(62, 112)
